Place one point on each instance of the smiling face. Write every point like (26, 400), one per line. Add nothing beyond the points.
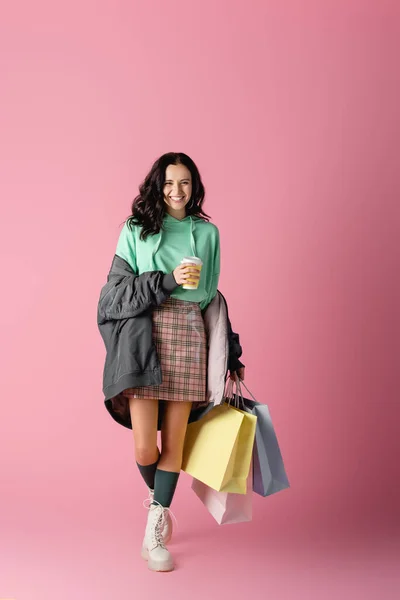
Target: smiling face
(177, 190)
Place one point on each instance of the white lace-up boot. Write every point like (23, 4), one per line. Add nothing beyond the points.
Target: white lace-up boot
(167, 525)
(153, 549)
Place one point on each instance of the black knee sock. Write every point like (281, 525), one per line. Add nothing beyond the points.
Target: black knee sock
(165, 484)
(148, 473)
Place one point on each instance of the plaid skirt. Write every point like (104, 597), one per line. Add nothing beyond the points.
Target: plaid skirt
(181, 343)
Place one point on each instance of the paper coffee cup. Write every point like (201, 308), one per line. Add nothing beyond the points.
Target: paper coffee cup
(197, 263)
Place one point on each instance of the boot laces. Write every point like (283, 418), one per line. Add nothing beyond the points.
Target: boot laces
(159, 524)
(157, 531)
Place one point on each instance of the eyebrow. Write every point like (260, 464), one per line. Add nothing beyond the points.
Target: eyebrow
(184, 179)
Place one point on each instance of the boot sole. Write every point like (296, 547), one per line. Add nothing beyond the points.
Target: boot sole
(153, 565)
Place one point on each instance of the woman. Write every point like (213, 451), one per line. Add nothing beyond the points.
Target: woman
(167, 224)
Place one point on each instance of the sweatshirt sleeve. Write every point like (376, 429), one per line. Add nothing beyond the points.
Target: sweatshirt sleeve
(126, 247)
(215, 265)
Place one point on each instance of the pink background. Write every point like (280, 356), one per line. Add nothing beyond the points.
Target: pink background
(290, 110)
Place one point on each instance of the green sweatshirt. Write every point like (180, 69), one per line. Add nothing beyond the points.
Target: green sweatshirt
(191, 236)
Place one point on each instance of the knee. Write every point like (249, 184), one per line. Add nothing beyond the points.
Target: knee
(146, 455)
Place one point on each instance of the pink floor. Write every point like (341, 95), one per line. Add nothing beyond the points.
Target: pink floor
(60, 554)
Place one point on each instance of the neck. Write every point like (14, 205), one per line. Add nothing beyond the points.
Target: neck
(177, 214)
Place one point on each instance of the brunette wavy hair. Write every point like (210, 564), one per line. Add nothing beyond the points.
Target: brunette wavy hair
(148, 208)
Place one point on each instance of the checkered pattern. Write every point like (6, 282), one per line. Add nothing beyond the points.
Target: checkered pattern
(181, 343)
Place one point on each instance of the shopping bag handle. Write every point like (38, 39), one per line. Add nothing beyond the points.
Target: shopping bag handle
(228, 394)
(229, 391)
(239, 383)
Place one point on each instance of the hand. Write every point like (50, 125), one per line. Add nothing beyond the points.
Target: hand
(235, 374)
(184, 272)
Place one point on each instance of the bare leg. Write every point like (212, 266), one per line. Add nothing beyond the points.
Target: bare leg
(144, 416)
(173, 433)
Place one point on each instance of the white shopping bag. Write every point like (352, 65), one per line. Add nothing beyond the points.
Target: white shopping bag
(226, 507)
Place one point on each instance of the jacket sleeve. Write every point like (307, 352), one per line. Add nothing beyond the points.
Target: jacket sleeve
(235, 349)
(127, 295)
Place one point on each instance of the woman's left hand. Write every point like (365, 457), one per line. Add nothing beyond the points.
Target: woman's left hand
(234, 374)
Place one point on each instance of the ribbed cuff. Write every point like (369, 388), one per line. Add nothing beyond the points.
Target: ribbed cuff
(169, 283)
(234, 363)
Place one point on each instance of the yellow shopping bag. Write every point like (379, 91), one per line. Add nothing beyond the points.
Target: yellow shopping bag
(218, 448)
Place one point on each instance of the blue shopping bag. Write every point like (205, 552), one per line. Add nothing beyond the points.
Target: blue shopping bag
(269, 474)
